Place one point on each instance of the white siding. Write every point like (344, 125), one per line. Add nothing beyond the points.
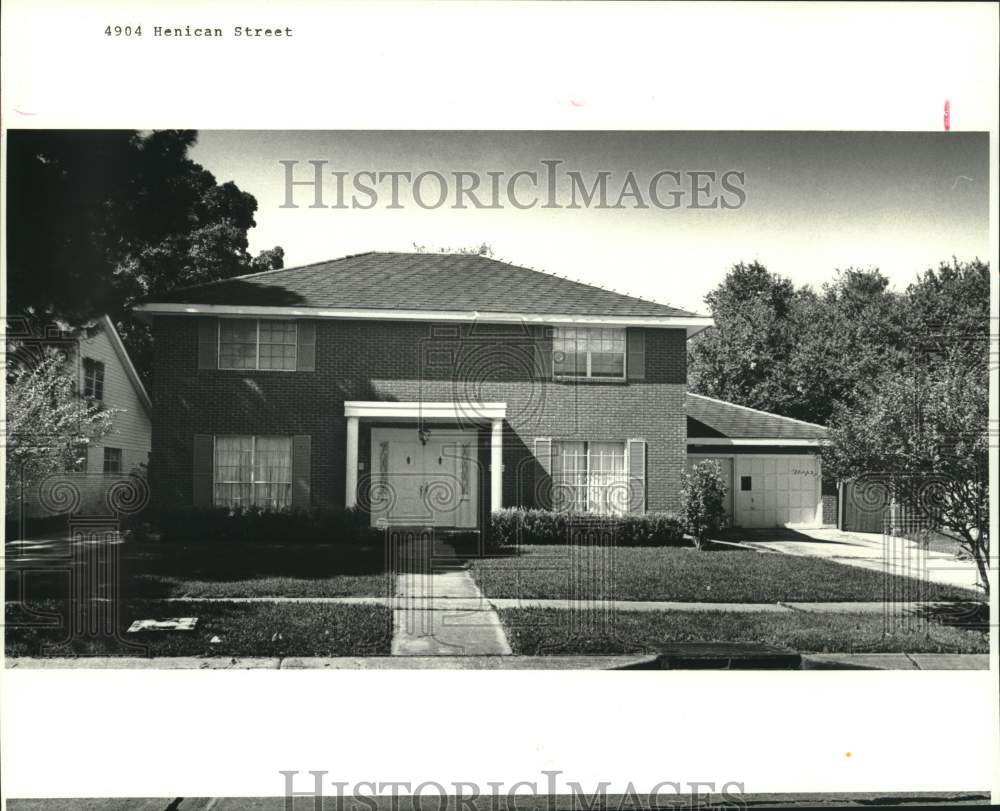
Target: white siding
(130, 431)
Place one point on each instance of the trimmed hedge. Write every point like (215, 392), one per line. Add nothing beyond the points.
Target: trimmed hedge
(254, 525)
(515, 526)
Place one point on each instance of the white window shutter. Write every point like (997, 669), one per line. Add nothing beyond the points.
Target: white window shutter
(635, 450)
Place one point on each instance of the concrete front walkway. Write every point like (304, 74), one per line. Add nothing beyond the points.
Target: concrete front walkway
(870, 550)
(444, 614)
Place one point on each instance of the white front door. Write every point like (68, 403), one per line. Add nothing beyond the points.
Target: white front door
(427, 483)
(778, 491)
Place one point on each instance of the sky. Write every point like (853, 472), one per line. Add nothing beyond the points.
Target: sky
(812, 202)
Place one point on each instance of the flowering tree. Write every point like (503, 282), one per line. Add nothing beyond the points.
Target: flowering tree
(703, 500)
(924, 438)
(48, 425)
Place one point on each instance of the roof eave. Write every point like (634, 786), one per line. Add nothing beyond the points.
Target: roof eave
(799, 442)
(691, 323)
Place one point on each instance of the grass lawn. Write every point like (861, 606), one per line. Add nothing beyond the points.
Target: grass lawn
(537, 631)
(151, 570)
(243, 629)
(684, 574)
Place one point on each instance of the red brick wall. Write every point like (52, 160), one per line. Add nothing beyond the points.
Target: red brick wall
(372, 360)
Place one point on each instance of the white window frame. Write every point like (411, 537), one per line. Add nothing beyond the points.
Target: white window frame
(590, 375)
(256, 366)
(587, 485)
(100, 372)
(121, 461)
(253, 467)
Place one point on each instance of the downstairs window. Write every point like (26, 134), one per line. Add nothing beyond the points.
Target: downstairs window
(253, 471)
(590, 477)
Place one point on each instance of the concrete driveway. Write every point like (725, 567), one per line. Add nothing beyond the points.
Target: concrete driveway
(867, 550)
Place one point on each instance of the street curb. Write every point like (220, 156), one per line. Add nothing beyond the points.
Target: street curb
(811, 661)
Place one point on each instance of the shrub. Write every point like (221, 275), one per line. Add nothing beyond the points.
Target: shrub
(703, 498)
(515, 525)
(255, 525)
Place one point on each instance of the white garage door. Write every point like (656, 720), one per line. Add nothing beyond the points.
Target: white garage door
(778, 491)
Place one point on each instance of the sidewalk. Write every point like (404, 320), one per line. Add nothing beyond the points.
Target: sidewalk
(811, 661)
(452, 595)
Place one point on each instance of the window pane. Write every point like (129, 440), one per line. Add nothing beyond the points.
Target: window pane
(606, 364)
(569, 352)
(93, 378)
(273, 472)
(233, 471)
(112, 460)
(607, 491)
(569, 476)
(237, 343)
(277, 344)
(607, 348)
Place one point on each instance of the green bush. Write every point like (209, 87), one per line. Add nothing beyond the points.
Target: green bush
(255, 525)
(514, 526)
(703, 499)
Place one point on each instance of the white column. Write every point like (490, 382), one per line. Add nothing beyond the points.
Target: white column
(496, 466)
(351, 490)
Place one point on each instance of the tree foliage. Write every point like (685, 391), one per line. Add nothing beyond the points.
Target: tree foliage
(703, 500)
(901, 378)
(923, 438)
(802, 353)
(103, 218)
(49, 425)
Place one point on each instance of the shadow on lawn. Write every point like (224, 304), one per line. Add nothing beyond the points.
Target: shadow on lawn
(152, 569)
(778, 535)
(970, 615)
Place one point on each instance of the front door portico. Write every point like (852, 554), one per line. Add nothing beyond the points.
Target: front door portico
(427, 474)
(432, 480)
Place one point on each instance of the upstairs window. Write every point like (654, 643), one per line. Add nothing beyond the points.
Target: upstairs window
(93, 379)
(246, 343)
(588, 352)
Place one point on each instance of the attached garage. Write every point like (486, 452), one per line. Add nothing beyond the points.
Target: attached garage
(771, 464)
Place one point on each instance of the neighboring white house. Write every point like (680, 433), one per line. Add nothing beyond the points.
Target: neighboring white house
(105, 373)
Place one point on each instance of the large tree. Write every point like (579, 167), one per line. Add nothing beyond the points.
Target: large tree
(921, 434)
(98, 219)
(801, 353)
(744, 358)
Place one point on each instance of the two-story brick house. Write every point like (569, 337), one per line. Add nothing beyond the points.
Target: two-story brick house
(425, 388)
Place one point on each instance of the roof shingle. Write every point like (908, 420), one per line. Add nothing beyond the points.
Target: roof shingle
(740, 422)
(420, 281)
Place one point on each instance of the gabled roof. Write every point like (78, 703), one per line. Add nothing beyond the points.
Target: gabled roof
(130, 372)
(419, 285)
(715, 419)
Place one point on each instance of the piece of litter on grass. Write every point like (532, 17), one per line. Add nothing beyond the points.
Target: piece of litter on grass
(277, 636)
(214, 640)
(171, 624)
